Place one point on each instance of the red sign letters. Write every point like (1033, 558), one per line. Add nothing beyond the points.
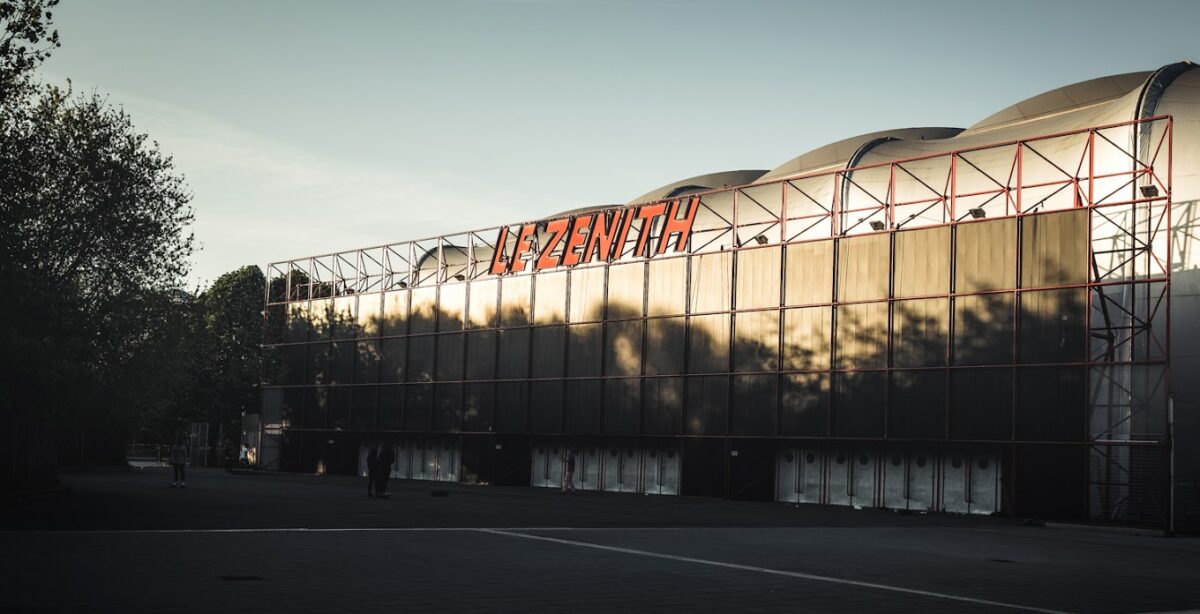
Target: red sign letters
(598, 236)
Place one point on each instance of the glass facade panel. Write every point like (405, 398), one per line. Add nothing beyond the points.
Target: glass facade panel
(665, 342)
(512, 400)
(342, 320)
(985, 256)
(370, 315)
(1054, 249)
(707, 405)
(549, 347)
(667, 287)
(663, 412)
(858, 404)
(338, 416)
(546, 406)
(452, 306)
(321, 316)
(393, 357)
(515, 305)
(299, 323)
(447, 414)
(622, 406)
(981, 404)
(758, 277)
(807, 339)
(514, 354)
(395, 313)
(756, 345)
(922, 262)
(920, 332)
(805, 407)
(420, 358)
(481, 354)
(585, 350)
(623, 348)
(418, 407)
(318, 363)
(809, 273)
(1053, 326)
(450, 356)
(342, 362)
(1052, 404)
(917, 405)
(755, 404)
(863, 266)
(587, 294)
(482, 301)
(422, 311)
(708, 346)
(366, 361)
(550, 298)
(362, 413)
(390, 408)
(983, 329)
(479, 401)
(712, 282)
(626, 289)
(862, 336)
(296, 357)
(583, 406)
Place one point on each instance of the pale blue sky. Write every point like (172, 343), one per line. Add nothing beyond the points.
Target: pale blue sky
(309, 127)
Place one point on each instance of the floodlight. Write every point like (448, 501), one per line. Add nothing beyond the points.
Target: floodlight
(876, 225)
(761, 240)
(977, 213)
(460, 277)
(1149, 191)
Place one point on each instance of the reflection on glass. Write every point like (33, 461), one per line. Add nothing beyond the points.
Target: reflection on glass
(587, 294)
(550, 295)
(863, 266)
(623, 354)
(452, 302)
(712, 282)
(514, 300)
(809, 273)
(758, 277)
(806, 338)
(757, 341)
(483, 295)
(667, 287)
(923, 262)
(395, 313)
(422, 313)
(626, 286)
(862, 335)
(708, 348)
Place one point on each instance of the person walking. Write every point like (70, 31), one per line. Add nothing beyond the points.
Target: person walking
(244, 456)
(372, 471)
(569, 472)
(179, 461)
(386, 458)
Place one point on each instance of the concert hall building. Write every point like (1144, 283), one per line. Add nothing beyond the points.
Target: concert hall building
(998, 319)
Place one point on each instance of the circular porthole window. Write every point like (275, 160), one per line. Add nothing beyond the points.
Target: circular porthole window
(895, 461)
(983, 463)
(788, 457)
(629, 453)
(670, 453)
(956, 462)
(920, 461)
(863, 460)
(841, 458)
(653, 453)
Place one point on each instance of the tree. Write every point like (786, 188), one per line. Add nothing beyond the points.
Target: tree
(231, 339)
(94, 245)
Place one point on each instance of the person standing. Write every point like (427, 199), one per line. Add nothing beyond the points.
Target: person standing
(569, 472)
(386, 458)
(244, 456)
(372, 471)
(179, 461)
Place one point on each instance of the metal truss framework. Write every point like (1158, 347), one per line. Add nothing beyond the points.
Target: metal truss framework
(1120, 173)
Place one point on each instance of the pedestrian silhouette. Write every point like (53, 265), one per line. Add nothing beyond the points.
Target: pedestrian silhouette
(372, 471)
(179, 461)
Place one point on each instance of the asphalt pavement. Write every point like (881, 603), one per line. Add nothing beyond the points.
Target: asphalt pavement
(124, 541)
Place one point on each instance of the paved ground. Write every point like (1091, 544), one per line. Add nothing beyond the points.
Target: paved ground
(125, 542)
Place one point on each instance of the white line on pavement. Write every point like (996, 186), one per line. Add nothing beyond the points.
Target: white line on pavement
(765, 570)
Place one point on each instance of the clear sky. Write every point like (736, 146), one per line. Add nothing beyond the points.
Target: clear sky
(310, 127)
